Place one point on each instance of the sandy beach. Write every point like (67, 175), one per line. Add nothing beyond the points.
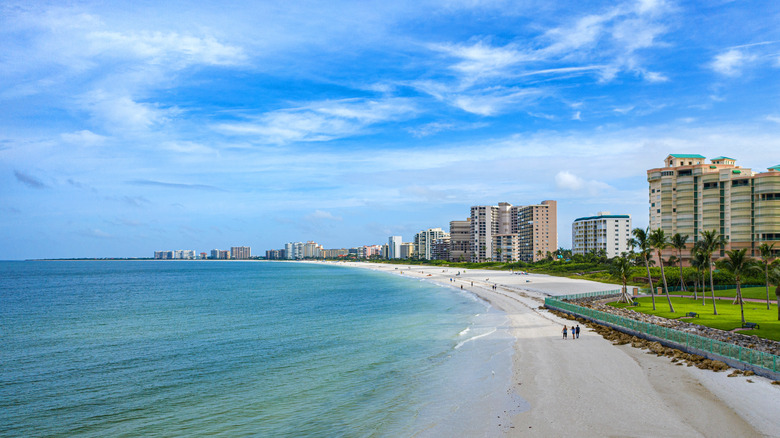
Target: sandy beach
(589, 387)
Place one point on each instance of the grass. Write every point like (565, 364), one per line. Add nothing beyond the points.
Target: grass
(750, 292)
(728, 317)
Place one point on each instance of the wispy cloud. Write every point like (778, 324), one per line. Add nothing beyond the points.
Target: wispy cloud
(120, 112)
(731, 62)
(321, 121)
(157, 47)
(96, 233)
(84, 137)
(29, 180)
(600, 45)
(320, 215)
(479, 61)
(146, 182)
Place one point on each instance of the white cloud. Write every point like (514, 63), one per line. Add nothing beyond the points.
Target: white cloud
(480, 60)
(164, 47)
(651, 76)
(731, 62)
(603, 45)
(773, 118)
(565, 180)
(121, 112)
(321, 215)
(322, 121)
(83, 138)
(568, 181)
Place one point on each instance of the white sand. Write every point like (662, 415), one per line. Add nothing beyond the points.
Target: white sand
(589, 387)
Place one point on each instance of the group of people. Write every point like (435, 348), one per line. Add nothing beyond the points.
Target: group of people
(575, 331)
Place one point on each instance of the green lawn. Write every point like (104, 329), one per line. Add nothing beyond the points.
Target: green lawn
(728, 317)
(750, 292)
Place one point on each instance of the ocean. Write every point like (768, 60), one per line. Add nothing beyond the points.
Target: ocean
(197, 348)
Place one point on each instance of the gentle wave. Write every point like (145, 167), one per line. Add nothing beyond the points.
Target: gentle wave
(473, 338)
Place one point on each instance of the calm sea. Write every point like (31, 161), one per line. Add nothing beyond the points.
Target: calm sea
(167, 348)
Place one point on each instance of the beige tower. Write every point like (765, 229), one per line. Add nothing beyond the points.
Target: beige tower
(689, 196)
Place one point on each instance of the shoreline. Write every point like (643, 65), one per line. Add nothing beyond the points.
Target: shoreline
(590, 387)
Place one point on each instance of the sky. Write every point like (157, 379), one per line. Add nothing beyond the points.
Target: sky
(130, 127)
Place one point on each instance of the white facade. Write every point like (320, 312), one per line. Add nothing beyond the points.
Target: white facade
(424, 240)
(394, 247)
(603, 231)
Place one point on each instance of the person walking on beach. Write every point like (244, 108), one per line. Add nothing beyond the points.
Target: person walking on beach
(578, 331)
(564, 332)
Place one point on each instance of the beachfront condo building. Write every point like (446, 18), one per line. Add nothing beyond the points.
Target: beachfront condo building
(518, 233)
(537, 227)
(240, 252)
(394, 247)
(407, 250)
(506, 247)
(688, 196)
(605, 231)
(460, 241)
(424, 242)
(179, 254)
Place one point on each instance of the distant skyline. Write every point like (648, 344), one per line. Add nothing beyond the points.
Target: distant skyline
(130, 127)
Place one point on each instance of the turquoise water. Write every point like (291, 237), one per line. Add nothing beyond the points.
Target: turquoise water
(123, 348)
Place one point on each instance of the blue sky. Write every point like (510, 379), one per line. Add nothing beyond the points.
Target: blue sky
(132, 127)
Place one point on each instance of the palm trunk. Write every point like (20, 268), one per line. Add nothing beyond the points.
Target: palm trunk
(666, 288)
(650, 281)
(703, 287)
(695, 285)
(778, 307)
(682, 284)
(712, 289)
(766, 277)
(741, 306)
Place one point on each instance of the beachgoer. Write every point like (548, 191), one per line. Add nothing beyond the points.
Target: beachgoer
(564, 332)
(461, 286)
(578, 331)
(572, 332)
(472, 283)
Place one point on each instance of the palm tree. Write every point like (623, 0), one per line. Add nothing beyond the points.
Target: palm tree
(710, 241)
(621, 269)
(765, 250)
(737, 263)
(642, 242)
(678, 242)
(698, 262)
(659, 241)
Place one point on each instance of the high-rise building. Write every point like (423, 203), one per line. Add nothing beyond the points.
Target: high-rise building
(488, 221)
(537, 229)
(407, 250)
(440, 248)
(506, 247)
(394, 247)
(460, 241)
(688, 196)
(535, 226)
(424, 240)
(605, 231)
(240, 252)
(334, 253)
